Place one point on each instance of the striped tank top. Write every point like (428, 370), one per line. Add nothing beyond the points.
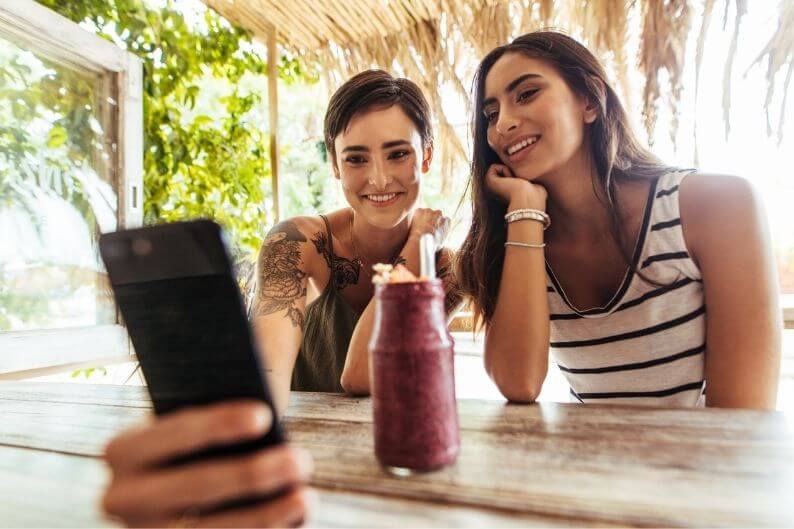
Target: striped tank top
(647, 345)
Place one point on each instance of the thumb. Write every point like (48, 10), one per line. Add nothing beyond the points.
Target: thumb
(503, 171)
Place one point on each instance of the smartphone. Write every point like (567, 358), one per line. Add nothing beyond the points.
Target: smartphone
(176, 291)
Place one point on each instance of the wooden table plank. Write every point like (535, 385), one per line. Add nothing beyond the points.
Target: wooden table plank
(625, 465)
(650, 424)
(46, 489)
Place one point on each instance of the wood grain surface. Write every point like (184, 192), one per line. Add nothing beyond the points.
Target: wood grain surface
(544, 464)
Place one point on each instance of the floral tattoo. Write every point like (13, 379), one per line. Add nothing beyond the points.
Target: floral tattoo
(281, 281)
(343, 271)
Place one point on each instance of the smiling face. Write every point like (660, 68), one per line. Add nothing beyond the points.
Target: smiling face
(535, 122)
(379, 158)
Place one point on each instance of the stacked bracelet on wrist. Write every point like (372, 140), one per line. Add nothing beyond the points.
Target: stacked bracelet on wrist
(529, 214)
(525, 244)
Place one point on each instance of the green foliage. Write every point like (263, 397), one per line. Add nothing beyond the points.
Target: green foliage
(196, 164)
(51, 153)
(89, 371)
(206, 150)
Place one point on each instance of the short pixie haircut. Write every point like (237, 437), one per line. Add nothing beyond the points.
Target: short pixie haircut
(375, 89)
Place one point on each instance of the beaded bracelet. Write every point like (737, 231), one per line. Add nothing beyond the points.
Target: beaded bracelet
(529, 214)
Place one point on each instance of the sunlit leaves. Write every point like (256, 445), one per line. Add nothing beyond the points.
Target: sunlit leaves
(57, 137)
(197, 166)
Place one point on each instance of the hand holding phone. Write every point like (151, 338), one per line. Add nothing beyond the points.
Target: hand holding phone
(146, 491)
(215, 450)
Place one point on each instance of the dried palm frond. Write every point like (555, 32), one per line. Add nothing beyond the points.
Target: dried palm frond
(779, 53)
(741, 10)
(708, 8)
(604, 25)
(437, 43)
(546, 11)
(663, 43)
(485, 26)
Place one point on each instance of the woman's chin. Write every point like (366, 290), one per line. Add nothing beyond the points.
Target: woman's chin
(528, 175)
(385, 219)
(530, 172)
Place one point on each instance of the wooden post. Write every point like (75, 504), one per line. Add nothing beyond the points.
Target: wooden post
(272, 91)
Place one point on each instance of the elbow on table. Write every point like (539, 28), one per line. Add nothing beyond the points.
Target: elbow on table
(520, 393)
(353, 386)
(516, 385)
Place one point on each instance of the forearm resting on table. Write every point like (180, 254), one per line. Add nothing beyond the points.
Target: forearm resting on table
(355, 375)
(517, 337)
(278, 344)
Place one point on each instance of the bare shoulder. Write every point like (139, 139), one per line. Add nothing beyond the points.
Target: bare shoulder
(297, 229)
(715, 205)
(706, 188)
(293, 237)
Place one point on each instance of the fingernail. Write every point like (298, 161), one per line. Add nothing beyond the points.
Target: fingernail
(262, 416)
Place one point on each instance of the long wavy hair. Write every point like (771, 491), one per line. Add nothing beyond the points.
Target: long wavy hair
(614, 148)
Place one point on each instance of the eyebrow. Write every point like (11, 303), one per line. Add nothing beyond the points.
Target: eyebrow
(513, 85)
(385, 145)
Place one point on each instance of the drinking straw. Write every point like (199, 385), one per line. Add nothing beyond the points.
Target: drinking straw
(427, 254)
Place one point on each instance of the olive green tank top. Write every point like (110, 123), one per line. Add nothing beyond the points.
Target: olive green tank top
(328, 326)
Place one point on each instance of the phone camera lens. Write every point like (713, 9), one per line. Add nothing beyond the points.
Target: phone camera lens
(141, 247)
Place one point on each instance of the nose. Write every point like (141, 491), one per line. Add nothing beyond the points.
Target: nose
(380, 178)
(506, 122)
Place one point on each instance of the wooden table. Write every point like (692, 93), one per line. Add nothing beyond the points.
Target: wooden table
(547, 464)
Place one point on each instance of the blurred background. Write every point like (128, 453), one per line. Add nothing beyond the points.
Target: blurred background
(233, 95)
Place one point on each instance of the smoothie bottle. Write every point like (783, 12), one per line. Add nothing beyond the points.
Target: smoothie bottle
(412, 375)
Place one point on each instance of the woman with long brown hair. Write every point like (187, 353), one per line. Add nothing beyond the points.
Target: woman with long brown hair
(651, 285)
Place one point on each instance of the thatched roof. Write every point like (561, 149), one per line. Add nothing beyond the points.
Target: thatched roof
(432, 41)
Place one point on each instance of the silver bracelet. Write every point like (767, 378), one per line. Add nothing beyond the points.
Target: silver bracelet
(529, 214)
(525, 245)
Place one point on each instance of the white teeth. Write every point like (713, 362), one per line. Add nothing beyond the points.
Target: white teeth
(520, 145)
(382, 198)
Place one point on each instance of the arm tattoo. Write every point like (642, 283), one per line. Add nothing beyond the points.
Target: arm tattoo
(399, 260)
(343, 271)
(281, 281)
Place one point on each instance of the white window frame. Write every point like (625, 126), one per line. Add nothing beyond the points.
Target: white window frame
(25, 354)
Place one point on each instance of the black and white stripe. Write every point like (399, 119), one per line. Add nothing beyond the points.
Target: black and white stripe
(667, 192)
(633, 303)
(691, 386)
(634, 333)
(647, 345)
(666, 224)
(664, 256)
(636, 365)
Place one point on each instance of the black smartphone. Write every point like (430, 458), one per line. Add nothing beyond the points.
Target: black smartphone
(176, 291)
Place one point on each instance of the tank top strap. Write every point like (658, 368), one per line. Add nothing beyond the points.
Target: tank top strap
(328, 231)
(332, 278)
(665, 242)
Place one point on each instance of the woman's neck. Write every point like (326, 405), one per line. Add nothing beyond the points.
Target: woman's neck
(575, 205)
(378, 245)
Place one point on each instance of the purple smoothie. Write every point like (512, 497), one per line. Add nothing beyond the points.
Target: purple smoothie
(413, 379)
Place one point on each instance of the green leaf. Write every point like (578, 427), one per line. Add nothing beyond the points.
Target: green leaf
(57, 137)
(202, 121)
(211, 160)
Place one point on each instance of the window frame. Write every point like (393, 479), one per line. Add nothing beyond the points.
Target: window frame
(25, 354)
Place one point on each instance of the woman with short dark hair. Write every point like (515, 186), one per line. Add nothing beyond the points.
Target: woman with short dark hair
(313, 307)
